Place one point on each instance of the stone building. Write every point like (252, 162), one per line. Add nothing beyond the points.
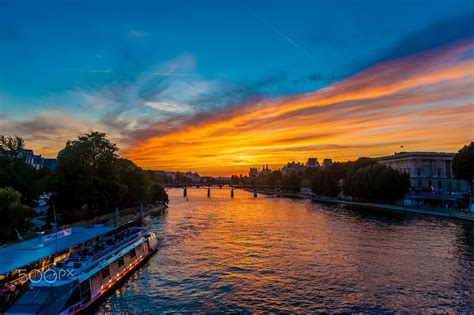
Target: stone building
(312, 162)
(429, 171)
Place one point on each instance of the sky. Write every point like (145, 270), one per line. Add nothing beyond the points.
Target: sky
(221, 86)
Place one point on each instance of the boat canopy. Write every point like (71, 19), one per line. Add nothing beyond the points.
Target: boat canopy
(24, 253)
(43, 300)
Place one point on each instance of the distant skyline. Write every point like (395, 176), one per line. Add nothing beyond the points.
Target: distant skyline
(221, 86)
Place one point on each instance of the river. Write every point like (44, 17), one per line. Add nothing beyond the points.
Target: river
(247, 254)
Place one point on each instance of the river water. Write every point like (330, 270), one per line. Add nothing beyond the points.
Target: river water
(259, 254)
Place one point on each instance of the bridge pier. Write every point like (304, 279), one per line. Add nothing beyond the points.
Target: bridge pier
(185, 192)
(255, 193)
(208, 191)
(232, 192)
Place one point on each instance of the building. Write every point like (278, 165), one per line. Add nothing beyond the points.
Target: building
(312, 162)
(294, 168)
(253, 172)
(327, 162)
(194, 177)
(429, 171)
(36, 161)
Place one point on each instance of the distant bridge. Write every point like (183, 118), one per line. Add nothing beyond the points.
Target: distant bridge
(254, 188)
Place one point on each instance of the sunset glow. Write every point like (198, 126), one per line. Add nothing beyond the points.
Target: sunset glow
(423, 102)
(223, 86)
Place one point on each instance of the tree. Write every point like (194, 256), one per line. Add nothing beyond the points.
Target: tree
(136, 181)
(326, 181)
(91, 176)
(377, 182)
(158, 193)
(15, 215)
(11, 146)
(16, 173)
(463, 164)
(291, 181)
(87, 175)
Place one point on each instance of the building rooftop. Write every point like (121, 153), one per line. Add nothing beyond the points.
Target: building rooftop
(24, 253)
(413, 154)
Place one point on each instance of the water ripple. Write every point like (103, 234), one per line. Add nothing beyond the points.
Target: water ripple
(265, 254)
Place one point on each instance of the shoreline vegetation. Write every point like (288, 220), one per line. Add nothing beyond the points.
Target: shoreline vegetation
(89, 183)
(365, 182)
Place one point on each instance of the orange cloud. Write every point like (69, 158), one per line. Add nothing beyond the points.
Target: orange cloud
(424, 102)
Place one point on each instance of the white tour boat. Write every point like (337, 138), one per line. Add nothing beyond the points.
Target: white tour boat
(76, 282)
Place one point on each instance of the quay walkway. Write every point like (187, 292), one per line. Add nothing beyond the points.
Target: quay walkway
(399, 208)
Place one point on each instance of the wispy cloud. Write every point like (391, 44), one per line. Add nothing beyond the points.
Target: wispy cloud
(170, 107)
(126, 72)
(424, 101)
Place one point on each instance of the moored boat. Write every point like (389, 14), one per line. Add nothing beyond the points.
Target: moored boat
(76, 282)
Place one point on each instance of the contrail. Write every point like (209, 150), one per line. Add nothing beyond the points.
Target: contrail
(127, 72)
(280, 33)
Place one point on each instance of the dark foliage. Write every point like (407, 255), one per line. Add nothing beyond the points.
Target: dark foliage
(15, 173)
(15, 215)
(91, 179)
(377, 182)
(327, 181)
(463, 164)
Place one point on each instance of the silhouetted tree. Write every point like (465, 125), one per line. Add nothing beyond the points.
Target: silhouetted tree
(91, 176)
(158, 193)
(377, 182)
(16, 173)
(87, 175)
(291, 181)
(14, 214)
(463, 164)
(327, 181)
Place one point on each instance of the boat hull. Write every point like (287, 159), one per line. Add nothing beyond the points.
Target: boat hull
(88, 309)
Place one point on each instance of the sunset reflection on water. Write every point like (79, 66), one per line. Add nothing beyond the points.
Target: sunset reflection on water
(276, 254)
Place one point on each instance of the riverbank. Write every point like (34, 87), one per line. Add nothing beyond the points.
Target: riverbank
(126, 216)
(469, 216)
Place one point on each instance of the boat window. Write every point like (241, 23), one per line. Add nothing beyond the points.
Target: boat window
(133, 253)
(120, 262)
(105, 272)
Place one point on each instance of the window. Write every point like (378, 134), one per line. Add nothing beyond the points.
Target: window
(418, 171)
(120, 262)
(440, 184)
(439, 172)
(105, 272)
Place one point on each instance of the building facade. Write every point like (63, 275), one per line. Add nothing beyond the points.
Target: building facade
(312, 162)
(37, 161)
(429, 171)
(327, 162)
(293, 168)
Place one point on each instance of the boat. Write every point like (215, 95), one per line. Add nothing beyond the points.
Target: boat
(22, 261)
(76, 282)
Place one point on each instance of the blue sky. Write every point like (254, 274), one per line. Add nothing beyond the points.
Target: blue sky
(130, 64)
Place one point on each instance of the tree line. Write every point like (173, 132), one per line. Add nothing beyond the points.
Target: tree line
(90, 180)
(364, 179)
